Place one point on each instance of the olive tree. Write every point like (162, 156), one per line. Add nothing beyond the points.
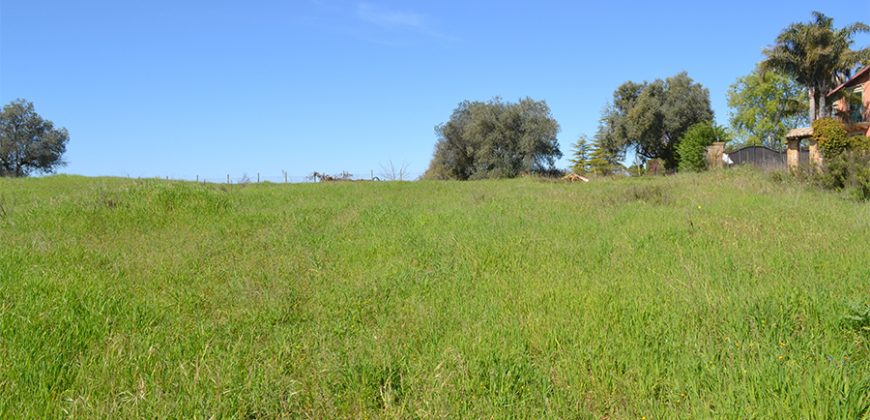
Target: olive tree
(495, 139)
(652, 117)
(28, 143)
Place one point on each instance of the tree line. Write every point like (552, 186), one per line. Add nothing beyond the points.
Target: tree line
(666, 123)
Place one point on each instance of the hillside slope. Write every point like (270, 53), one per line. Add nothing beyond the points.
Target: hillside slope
(720, 294)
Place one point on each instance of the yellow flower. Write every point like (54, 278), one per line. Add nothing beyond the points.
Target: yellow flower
(782, 344)
(781, 357)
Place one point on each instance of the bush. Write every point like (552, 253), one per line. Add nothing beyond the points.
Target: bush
(656, 167)
(859, 144)
(846, 166)
(831, 136)
(847, 159)
(692, 148)
(850, 171)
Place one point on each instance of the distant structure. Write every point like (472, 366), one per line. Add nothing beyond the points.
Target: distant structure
(851, 105)
(852, 102)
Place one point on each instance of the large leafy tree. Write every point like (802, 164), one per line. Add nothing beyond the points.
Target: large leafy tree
(652, 117)
(29, 143)
(765, 106)
(495, 139)
(818, 56)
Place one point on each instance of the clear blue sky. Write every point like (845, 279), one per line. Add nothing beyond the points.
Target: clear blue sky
(187, 88)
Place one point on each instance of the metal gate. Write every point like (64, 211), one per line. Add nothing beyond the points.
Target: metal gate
(764, 157)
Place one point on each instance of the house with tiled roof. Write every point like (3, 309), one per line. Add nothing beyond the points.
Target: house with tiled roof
(851, 104)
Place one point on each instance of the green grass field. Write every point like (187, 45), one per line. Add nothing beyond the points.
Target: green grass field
(714, 295)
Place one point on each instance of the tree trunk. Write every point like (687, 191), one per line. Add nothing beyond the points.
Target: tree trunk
(823, 106)
(812, 104)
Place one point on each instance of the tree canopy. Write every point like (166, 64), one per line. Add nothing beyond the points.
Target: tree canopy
(29, 143)
(818, 57)
(495, 139)
(652, 117)
(603, 161)
(693, 146)
(765, 106)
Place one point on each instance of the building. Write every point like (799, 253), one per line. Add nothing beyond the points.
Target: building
(851, 104)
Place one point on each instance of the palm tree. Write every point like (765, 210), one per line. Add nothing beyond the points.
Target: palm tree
(817, 56)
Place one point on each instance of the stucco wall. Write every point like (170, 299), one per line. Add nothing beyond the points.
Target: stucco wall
(842, 106)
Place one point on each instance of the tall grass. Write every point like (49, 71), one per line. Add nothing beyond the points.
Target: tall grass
(714, 295)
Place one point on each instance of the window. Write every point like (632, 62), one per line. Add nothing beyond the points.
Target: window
(856, 105)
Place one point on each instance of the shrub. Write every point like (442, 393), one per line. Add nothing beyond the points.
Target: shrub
(635, 170)
(859, 318)
(692, 148)
(859, 144)
(831, 136)
(850, 170)
(655, 167)
(847, 159)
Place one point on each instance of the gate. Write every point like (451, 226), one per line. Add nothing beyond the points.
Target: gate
(764, 157)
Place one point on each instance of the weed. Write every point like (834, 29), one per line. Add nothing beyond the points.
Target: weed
(859, 318)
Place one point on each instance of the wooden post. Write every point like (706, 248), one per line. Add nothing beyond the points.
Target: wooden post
(793, 154)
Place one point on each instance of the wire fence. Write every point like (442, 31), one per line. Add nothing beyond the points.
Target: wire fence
(286, 178)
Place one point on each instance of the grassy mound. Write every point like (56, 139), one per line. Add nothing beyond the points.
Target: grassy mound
(718, 294)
